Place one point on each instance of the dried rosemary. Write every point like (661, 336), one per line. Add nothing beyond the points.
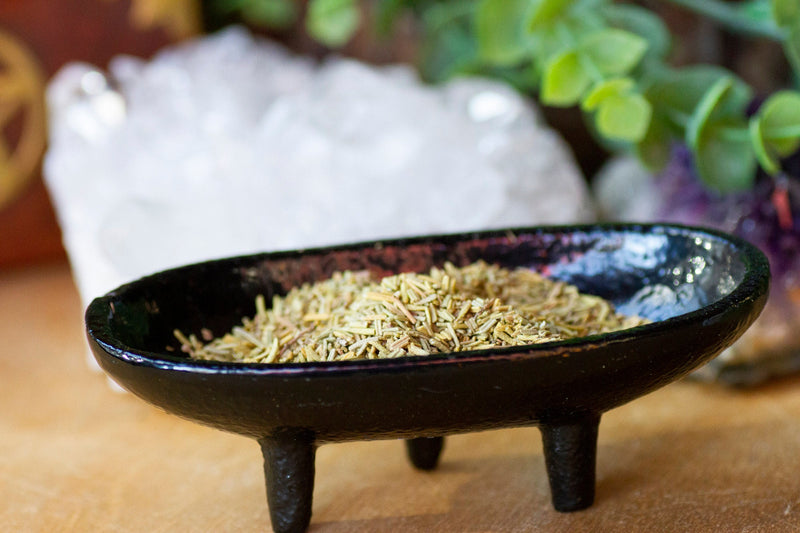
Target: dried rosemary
(353, 316)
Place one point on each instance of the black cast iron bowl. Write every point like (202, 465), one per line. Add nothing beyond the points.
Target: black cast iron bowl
(700, 288)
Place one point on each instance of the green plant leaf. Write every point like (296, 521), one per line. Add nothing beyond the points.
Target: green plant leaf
(500, 32)
(643, 23)
(584, 17)
(332, 22)
(565, 80)
(269, 13)
(655, 148)
(775, 129)
(791, 46)
(701, 117)
(227, 6)
(716, 133)
(606, 89)
(785, 12)
(779, 119)
(723, 163)
(552, 39)
(545, 44)
(590, 6)
(624, 117)
(449, 46)
(545, 12)
(678, 92)
(756, 10)
(722, 102)
(765, 158)
(614, 51)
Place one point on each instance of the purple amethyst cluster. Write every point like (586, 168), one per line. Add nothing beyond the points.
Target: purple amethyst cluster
(767, 215)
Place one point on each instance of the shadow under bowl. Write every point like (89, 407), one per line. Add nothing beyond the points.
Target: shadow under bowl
(700, 288)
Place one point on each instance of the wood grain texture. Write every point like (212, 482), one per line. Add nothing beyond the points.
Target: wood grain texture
(75, 456)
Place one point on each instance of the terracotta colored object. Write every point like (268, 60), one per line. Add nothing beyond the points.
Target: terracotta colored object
(561, 387)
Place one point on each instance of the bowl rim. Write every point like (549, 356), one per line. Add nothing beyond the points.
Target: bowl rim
(753, 285)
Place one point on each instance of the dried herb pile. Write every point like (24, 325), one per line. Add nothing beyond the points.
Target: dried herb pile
(452, 309)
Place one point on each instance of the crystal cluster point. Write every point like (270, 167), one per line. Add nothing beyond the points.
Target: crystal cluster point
(230, 144)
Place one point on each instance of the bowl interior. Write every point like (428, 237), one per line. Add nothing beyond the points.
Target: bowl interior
(657, 272)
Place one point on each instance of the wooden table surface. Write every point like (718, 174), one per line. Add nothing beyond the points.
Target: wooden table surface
(76, 456)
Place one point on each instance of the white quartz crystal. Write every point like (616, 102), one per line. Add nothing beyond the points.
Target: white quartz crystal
(231, 145)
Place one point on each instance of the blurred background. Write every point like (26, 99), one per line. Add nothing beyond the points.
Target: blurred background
(38, 37)
(544, 156)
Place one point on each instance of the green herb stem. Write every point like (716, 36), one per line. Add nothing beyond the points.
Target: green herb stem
(732, 17)
(784, 133)
(733, 133)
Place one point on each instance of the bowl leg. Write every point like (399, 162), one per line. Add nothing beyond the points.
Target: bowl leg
(570, 453)
(289, 475)
(423, 452)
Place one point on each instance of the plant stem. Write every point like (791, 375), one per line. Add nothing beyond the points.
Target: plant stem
(733, 133)
(784, 133)
(733, 17)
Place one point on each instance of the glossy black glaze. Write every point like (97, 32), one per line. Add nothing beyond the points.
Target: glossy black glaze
(570, 452)
(289, 475)
(424, 452)
(701, 288)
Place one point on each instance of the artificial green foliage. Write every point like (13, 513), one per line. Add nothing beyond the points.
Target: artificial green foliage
(565, 80)
(610, 58)
(546, 12)
(643, 23)
(655, 147)
(711, 105)
(775, 129)
(725, 163)
(785, 12)
(450, 47)
(717, 134)
(606, 89)
(613, 51)
(270, 13)
(791, 45)
(765, 158)
(746, 17)
(624, 117)
(677, 93)
(332, 22)
(386, 13)
(780, 122)
(622, 113)
(499, 30)
(274, 14)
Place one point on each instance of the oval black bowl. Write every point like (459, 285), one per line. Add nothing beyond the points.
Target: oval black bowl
(701, 288)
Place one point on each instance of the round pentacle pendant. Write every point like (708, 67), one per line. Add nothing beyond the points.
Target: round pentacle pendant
(22, 117)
